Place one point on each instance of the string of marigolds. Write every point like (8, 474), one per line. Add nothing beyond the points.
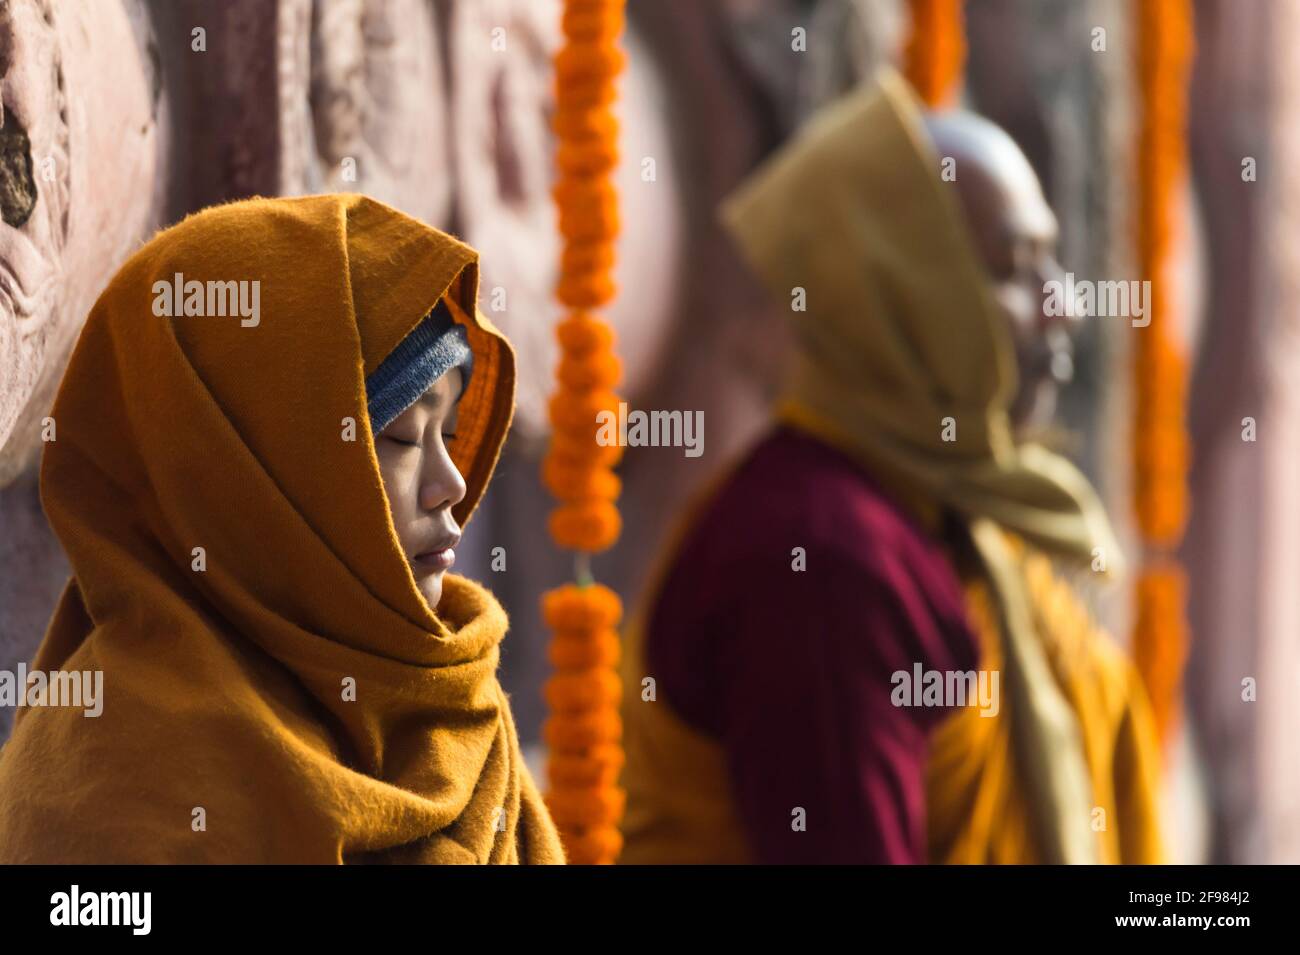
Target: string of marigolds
(935, 56)
(583, 732)
(1161, 448)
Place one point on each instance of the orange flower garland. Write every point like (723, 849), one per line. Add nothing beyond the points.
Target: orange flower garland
(935, 56)
(1161, 449)
(584, 732)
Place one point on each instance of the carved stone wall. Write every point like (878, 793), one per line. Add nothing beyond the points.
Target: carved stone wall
(82, 178)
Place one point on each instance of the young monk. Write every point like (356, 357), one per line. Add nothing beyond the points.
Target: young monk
(893, 524)
(278, 418)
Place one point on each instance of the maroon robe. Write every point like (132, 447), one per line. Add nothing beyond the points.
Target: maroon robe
(791, 670)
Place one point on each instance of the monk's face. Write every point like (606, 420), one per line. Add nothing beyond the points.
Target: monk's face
(1017, 237)
(422, 484)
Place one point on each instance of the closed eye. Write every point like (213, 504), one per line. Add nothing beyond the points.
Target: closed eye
(405, 444)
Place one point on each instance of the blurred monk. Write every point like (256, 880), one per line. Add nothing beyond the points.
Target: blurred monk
(860, 647)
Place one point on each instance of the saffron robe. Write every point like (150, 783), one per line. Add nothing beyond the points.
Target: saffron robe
(773, 687)
(904, 361)
(276, 689)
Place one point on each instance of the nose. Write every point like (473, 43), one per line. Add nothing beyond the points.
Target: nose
(1069, 320)
(441, 483)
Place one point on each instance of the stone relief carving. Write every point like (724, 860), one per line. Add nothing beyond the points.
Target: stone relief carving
(79, 171)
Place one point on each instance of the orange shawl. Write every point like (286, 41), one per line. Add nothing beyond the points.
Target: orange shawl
(275, 687)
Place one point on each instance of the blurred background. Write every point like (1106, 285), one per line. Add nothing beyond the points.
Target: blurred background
(123, 116)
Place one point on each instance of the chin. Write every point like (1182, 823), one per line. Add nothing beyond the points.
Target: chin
(1045, 407)
(431, 587)
(1037, 410)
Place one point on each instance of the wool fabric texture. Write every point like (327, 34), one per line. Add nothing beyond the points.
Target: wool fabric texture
(275, 687)
(435, 347)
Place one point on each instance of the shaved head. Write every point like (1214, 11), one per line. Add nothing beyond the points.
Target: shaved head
(969, 136)
(1015, 234)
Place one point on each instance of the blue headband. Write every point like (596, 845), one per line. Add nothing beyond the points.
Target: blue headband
(435, 347)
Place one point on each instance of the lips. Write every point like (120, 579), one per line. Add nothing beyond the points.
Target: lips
(438, 555)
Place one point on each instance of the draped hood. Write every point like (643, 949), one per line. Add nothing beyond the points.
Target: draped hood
(270, 667)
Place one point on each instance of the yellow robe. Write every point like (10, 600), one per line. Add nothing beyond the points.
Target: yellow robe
(976, 809)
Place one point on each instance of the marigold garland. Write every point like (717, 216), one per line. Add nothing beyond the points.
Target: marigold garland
(935, 56)
(584, 731)
(1161, 451)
